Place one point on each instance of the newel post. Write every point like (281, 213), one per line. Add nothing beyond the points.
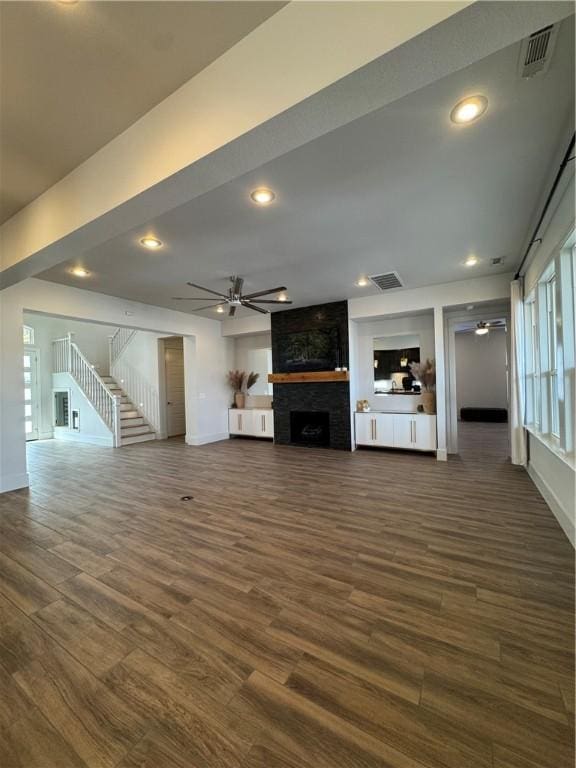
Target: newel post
(117, 421)
(69, 351)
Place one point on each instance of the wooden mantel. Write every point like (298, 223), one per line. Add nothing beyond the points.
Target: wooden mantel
(307, 376)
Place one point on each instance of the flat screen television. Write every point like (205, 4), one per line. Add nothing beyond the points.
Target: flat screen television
(314, 350)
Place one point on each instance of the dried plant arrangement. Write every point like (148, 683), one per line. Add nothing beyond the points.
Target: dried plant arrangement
(236, 380)
(251, 379)
(425, 373)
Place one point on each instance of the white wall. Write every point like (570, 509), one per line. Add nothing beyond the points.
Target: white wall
(208, 357)
(554, 476)
(138, 371)
(91, 427)
(92, 340)
(419, 329)
(254, 353)
(481, 370)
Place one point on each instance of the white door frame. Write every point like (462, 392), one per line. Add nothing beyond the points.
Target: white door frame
(35, 392)
(474, 315)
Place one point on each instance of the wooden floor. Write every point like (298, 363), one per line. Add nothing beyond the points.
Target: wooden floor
(307, 609)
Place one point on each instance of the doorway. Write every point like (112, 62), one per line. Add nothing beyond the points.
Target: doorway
(481, 356)
(174, 386)
(31, 394)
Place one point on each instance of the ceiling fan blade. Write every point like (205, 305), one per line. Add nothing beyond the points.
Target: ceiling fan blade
(232, 311)
(191, 298)
(237, 283)
(268, 301)
(263, 293)
(208, 290)
(254, 307)
(218, 304)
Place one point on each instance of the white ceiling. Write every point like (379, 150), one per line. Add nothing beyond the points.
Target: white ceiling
(72, 77)
(401, 189)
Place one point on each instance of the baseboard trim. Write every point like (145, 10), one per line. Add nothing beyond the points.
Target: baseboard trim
(441, 454)
(563, 517)
(14, 482)
(204, 439)
(79, 437)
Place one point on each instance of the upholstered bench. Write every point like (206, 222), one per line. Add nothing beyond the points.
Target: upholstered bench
(484, 414)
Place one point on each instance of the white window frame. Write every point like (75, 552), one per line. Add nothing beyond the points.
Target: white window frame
(549, 354)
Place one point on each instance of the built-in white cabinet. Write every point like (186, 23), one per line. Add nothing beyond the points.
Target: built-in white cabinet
(252, 422)
(375, 429)
(414, 431)
(263, 422)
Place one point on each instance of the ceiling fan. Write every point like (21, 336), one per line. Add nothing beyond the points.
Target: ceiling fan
(235, 297)
(483, 328)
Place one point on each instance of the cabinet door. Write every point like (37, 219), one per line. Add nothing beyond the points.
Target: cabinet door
(262, 422)
(240, 421)
(383, 429)
(424, 432)
(365, 428)
(268, 423)
(403, 430)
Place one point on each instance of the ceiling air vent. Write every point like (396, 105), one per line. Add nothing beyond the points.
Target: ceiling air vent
(536, 51)
(497, 260)
(386, 281)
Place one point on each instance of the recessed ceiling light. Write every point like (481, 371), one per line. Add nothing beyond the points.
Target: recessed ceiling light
(469, 109)
(67, 2)
(262, 196)
(471, 261)
(219, 310)
(79, 272)
(362, 281)
(151, 242)
(282, 297)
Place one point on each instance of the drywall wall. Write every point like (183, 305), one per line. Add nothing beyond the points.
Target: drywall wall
(254, 353)
(208, 356)
(91, 428)
(137, 371)
(481, 379)
(554, 478)
(390, 333)
(91, 338)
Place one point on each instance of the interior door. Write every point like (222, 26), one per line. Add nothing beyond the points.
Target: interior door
(31, 394)
(174, 373)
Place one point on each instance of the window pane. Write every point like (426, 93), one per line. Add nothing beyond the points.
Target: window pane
(28, 334)
(26, 361)
(28, 427)
(28, 410)
(27, 377)
(28, 394)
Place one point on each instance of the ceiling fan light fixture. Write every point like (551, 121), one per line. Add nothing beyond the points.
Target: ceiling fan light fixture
(220, 309)
(481, 329)
(262, 196)
(282, 297)
(362, 281)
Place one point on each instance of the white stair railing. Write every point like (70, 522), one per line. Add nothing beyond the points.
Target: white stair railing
(117, 342)
(144, 396)
(67, 358)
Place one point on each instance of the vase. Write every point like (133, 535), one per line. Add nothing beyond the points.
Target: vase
(429, 402)
(240, 399)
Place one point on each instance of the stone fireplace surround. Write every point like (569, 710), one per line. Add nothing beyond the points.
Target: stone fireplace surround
(331, 397)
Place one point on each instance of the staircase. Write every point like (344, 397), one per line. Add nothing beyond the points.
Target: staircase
(133, 426)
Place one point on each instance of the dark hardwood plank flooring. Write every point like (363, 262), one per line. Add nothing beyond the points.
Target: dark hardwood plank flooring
(307, 609)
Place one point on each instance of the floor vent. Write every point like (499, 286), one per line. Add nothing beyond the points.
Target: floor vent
(387, 281)
(536, 51)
